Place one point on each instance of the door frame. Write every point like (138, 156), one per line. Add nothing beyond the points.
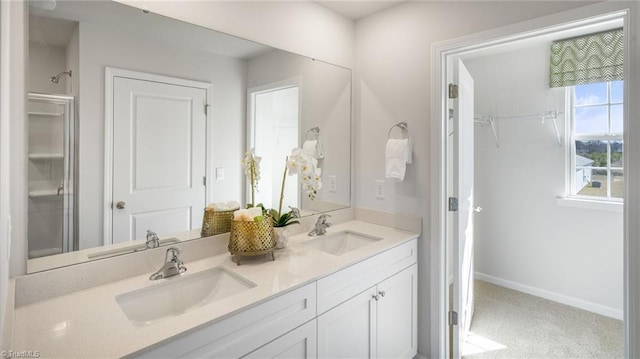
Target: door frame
(440, 53)
(110, 73)
(250, 118)
(274, 86)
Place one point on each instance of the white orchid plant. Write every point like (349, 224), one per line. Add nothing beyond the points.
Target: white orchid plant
(307, 168)
(299, 163)
(251, 165)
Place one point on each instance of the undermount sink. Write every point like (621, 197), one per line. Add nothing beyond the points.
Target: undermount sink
(341, 242)
(180, 294)
(128, 249)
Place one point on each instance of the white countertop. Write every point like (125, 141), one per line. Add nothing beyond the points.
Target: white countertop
(89, 323)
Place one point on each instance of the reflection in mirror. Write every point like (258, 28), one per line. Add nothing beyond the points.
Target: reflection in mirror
(138, 121)
(283, 88)
(274, 113)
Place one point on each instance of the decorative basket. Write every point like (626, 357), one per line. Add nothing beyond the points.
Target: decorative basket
(252, 238)
(216, 222)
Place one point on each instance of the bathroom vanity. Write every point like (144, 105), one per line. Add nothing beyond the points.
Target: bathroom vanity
(354, 296)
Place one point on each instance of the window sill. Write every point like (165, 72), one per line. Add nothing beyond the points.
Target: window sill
(609, 206)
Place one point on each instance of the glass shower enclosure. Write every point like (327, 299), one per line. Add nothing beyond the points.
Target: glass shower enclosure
(51, 167)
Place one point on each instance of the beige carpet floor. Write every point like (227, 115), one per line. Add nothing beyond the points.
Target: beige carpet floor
(511, 324)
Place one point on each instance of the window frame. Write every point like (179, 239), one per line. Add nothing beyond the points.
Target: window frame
(572, 138)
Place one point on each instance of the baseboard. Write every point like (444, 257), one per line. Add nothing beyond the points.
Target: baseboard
(553, 296)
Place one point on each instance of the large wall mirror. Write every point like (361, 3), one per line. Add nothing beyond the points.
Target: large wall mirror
(137, 122)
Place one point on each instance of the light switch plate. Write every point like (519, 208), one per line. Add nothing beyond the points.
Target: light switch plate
(333, 184)
(379, 189)
(219, 173)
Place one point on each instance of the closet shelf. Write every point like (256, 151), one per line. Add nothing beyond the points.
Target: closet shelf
(46, 156)
(540, 116)
(45, 114)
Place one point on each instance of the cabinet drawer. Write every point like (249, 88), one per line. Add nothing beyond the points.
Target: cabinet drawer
(299, 343)
(246, 331)
(340, 286)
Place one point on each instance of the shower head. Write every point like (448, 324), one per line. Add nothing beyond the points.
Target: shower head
(55, 79)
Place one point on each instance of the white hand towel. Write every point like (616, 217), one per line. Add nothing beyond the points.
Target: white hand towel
(309, 147)
(396, 154)
(313, 148)
(319, 151)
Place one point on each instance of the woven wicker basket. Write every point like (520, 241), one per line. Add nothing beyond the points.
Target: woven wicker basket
(216, 222)
(252, 238)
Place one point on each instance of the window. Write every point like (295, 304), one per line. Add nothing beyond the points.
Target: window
(596, 141)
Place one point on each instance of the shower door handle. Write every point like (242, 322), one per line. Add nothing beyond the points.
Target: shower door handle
(120, 205)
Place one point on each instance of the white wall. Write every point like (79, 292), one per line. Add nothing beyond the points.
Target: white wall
(46, 61)
(522, 235)
(73, 62)
(302, 27)
(392, 83)
(325, 95)
(102, 46)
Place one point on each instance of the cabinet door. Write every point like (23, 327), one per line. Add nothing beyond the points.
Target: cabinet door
(348, 330)
(397, 315)
(298, 343)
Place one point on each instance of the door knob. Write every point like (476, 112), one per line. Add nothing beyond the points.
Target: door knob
(477, 209)
(120, 205)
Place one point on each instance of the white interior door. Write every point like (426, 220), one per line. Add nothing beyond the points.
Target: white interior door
(159, 141)
(463, 218)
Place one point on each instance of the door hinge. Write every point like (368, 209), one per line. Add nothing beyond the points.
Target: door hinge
(453, 318)
(453, 204)
(206, 109)
(453, 91)
(204, 180)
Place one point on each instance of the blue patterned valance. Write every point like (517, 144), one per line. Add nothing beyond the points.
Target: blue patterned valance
(587, 59)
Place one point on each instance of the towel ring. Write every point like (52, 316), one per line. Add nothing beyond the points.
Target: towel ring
(400, 125)
(314, 132)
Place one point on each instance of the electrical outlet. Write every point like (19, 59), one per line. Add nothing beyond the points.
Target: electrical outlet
(333, 184)
(379, 189)
(219, 173)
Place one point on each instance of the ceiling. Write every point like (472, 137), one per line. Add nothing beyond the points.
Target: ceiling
(356, 9)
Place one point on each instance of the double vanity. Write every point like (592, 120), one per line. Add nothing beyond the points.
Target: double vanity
(348, 293)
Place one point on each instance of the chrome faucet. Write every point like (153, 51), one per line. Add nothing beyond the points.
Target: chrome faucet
(172, 266)
(321, 226)
(295, 211)
(152, 241)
